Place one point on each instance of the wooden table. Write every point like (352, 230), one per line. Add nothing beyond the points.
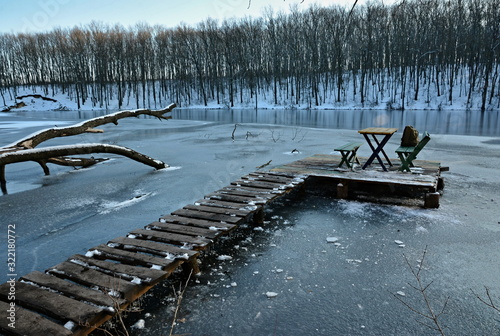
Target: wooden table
(373, 131)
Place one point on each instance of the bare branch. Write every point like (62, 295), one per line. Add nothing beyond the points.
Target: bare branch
(489, 302)
(87, 126)
(52, 154)
(422, 289)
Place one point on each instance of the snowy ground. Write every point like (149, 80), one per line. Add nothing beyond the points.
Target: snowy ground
(322, 288)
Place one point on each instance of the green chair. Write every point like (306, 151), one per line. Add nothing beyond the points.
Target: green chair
(408, 154)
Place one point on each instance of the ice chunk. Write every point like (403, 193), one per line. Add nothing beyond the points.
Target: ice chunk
(69, 325)
(224, 257)
(271, 294)
(139, 324)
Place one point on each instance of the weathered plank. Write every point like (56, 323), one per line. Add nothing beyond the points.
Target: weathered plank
(134, 274)
(53, 305)
(222, 211)
(208, 216)
(184, 229)
(169, 251)
(254, 191)
(236, 199)
(70, 289)
(29, 323)
(264, 176)
(261, 184)
(171, 238)
(89, 277)
(242, 191)
(133, 258)
(227, 205)
(197, 222)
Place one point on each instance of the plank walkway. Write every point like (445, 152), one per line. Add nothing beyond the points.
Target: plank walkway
(78, 295)
(81, 293)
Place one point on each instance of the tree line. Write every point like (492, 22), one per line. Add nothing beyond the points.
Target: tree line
(414, 50)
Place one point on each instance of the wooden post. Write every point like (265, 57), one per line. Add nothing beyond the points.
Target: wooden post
(440, 184)
(432, 200)
(191, 265)
(3, 182)
(343, 190)
(258, 216)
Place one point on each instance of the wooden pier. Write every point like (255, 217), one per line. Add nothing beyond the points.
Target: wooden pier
(78, 295)
(420, 187)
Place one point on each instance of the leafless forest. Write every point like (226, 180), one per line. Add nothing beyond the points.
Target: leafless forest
(412, 50)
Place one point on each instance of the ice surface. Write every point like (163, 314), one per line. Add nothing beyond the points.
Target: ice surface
(65, 217)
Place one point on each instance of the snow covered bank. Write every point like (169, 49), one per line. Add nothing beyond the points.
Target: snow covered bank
(390, 97)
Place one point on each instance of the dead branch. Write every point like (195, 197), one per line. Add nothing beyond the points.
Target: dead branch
(179, 297)
(58, 154)
(24, 149)
(265, 164)
(47, 153)
(489, 299)
(85, 127)
(430, 314)
(234, 130)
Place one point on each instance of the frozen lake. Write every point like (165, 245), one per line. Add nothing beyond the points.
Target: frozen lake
(322, 289)
(462, 122)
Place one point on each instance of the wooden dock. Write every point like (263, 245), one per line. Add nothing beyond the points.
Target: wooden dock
(422, 186)
(78, 295)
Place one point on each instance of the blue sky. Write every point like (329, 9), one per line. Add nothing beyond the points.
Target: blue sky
(42, 15)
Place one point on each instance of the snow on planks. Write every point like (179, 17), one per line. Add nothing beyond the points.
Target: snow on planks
(77, 295)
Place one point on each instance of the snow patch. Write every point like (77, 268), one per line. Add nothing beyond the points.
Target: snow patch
(115, 206)
(140, 324)
(92, 253)
(224, 257)
(136, 280)
(271, 294)
(69, 325)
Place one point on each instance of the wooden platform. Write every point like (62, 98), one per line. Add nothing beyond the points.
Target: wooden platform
(422, 185)
(77, 295)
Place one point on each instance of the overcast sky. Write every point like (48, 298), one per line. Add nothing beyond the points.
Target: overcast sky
(42, 15)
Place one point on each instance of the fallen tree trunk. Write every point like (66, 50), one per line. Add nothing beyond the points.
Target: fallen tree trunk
(44, 155)
(24, 149)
